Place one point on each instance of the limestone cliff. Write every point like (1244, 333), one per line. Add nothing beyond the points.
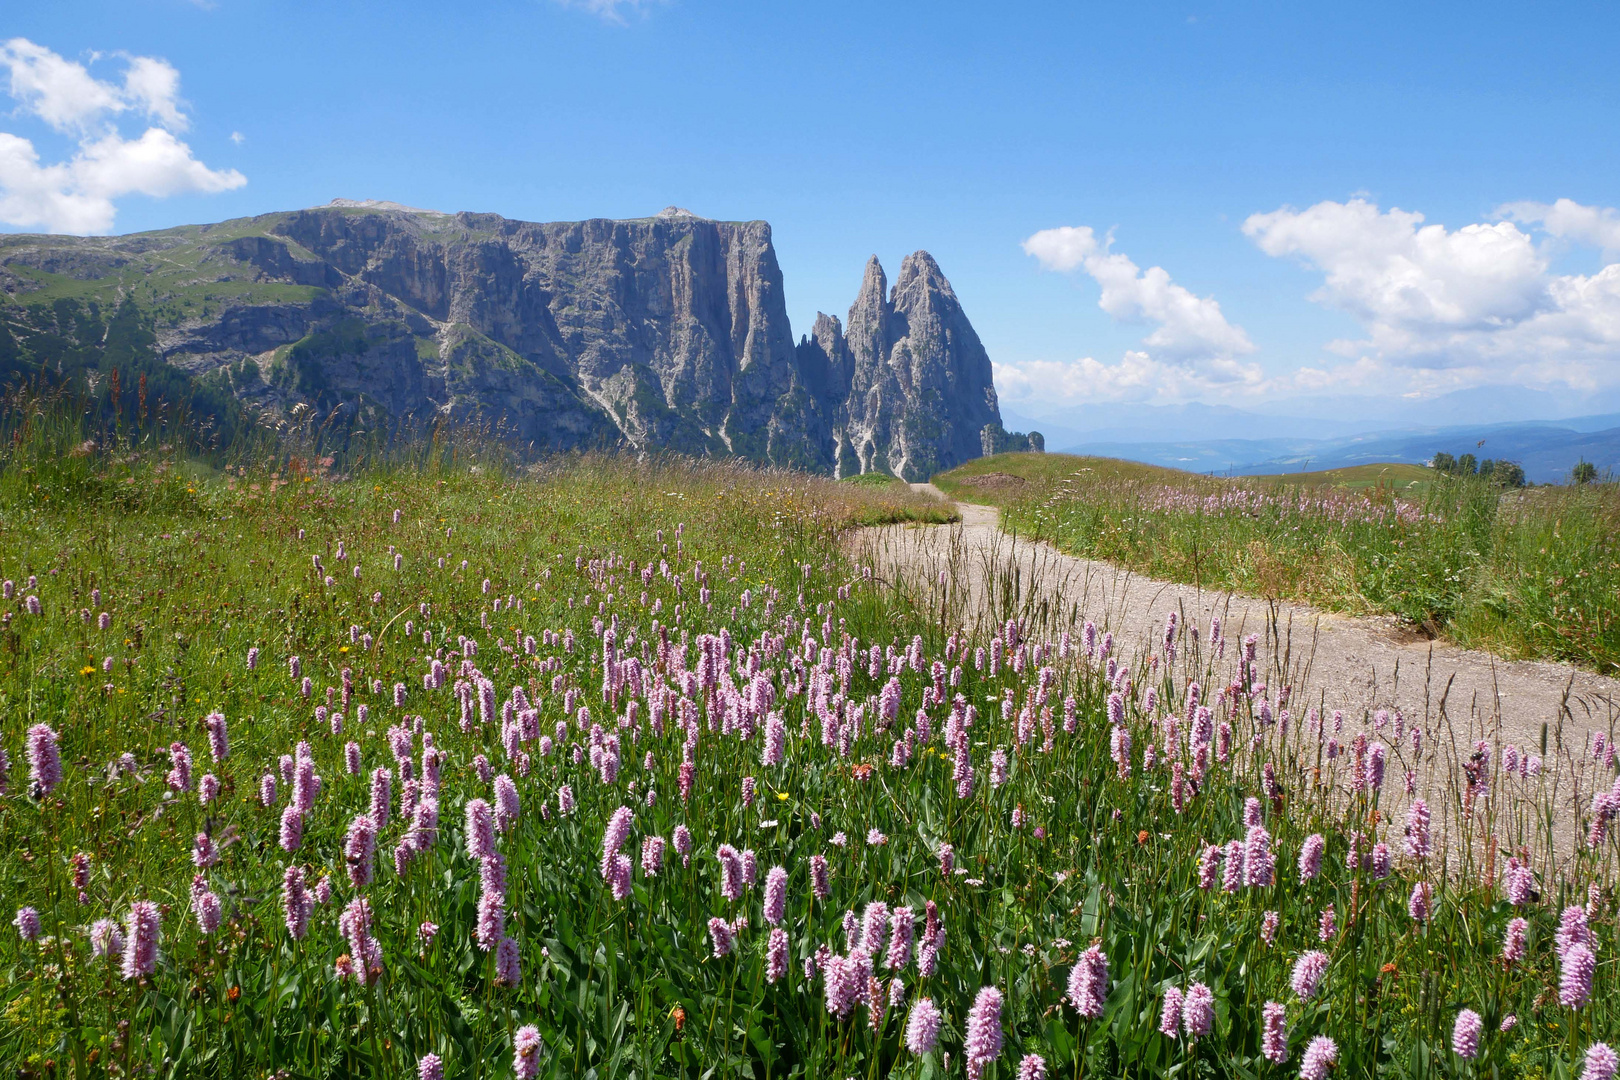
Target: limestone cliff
(669, 332)
(919, 396)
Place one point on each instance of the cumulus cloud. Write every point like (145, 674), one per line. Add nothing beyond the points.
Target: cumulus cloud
(1480, 299)
(1191, 349)
(78, 195)
(1190, 328)
(612, 10)
(1136, 377)
(1596, 226)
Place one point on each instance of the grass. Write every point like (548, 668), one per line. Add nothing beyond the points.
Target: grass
(1395, 476)
(590, 590)
(1533, 573)
(874, 480)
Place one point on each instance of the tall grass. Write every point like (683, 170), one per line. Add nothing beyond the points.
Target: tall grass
(1532, 573)
(553, 581)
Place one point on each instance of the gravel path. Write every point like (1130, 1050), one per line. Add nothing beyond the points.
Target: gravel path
(1354, 663)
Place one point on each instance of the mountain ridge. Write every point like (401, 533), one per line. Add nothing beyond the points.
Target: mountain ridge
(665, 332)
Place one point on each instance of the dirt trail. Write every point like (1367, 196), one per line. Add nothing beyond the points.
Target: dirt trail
(1353, 663)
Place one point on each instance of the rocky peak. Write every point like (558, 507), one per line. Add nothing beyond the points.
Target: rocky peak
(921, 390)
(920, 278)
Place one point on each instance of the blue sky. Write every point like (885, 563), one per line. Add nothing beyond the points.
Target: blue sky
(1255, 154)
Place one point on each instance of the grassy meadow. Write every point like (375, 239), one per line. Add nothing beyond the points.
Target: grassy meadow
(1525, 573)
(615, 769)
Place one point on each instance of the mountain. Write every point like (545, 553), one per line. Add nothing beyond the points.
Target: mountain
(1126, 422)
(913, 377)
(1546, 450)
(669, 332)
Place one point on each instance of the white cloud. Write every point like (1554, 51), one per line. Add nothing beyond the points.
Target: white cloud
(612, 10)
(60, 92)
(238, 138)
(1191, 349)
(1137, 377)
(1567, 219)
(35, 195)
(1190, 328)
(1480, 299)
(78, 195)
(154, 86)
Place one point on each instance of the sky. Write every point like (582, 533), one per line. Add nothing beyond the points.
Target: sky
(1151, 203)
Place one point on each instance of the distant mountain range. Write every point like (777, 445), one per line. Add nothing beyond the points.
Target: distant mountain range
(1546, 450)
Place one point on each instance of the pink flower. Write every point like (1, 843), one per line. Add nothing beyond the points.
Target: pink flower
(776, 955)
(875, 927)
(296, 902)
(840, 984)
(106, 939)
(480, 837)
(1198, 1011)
(1209, 865)
(364, 953)
(526, 1052)
(1465, 1034)
(614, 837)
(1274, 1032)
(1033, 1067)
(1232, 866)
(922, 1027)
(1319, 1057)
(1572, 929)
(382, 783)
(1259, 863)
(1601, 1062)
(1088, 983)
(491, 923)
(619, 877)
(219, 743)
(1381, 860)
(1513, 940)
(141, 941)
(206, 906)
(27, 924)
(1170, 1012)
(652, 855)
(1310, 857)
(44, 759)
(1308, 972)
(983, 1041)
(731, 872)
(1575, 979)
(775, 895)
(1417, 830)
(902, 928)
(721, 937)
(359, 850)
(820, 882)
(1417, 905)
(508, 963)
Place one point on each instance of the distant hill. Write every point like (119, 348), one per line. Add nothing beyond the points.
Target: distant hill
(1546, 450)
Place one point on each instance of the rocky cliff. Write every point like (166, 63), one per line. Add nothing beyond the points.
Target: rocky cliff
(668, 332)
(911, 392)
